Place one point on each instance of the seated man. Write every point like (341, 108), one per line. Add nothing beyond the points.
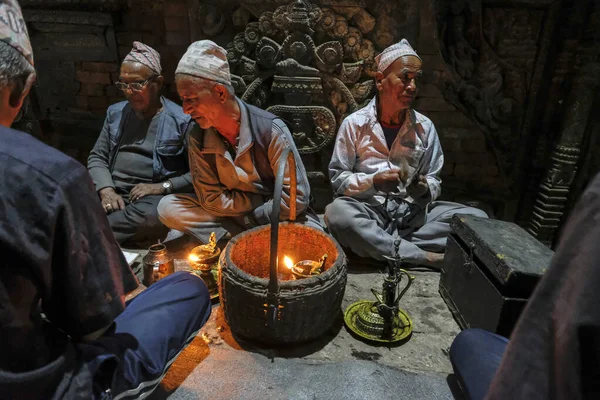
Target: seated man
(235, 149)
(385, 168)
(141, 153)
(64, 329)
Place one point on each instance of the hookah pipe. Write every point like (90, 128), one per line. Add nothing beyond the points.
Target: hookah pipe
(388, 302)
(383, 320)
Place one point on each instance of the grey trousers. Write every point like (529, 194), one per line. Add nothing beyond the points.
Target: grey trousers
(138, 222)
(371, 231)
(184, 213)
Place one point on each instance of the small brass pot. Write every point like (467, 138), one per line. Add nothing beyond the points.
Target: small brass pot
(158, 263)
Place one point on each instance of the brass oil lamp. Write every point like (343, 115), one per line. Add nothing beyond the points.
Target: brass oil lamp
(382, 320)
(204, 260)
(305, 268)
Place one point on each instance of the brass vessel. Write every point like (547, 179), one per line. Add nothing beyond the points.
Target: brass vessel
(308, 268)
(158, 263)
(204, 260)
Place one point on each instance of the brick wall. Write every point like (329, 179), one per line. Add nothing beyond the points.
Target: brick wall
(165, 28)
(90, 87)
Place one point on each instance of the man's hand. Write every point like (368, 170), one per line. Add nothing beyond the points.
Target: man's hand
(418, 188)
(386, 181)
(111, 201)
(145, 189)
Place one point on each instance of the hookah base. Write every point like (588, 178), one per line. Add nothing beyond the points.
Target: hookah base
(363, 319)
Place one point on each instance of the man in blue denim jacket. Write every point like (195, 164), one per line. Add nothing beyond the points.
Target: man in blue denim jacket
(141, 153)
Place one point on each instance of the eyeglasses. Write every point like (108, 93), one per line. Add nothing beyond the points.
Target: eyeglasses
(135, 86)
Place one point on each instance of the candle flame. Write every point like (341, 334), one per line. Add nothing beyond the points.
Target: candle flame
(288, 262)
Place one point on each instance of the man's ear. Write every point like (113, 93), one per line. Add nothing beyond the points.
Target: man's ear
(379, 79)
(222, 92)
(159, 80)
(16, 99)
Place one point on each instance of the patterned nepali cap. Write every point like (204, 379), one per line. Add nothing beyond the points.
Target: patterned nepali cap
(13, 30)
(205, 59)
(394, 52)
(145, 55)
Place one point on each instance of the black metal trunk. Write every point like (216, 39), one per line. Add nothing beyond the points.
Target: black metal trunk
(490, 270)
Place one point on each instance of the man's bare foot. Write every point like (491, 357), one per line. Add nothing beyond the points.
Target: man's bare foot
(434, 260)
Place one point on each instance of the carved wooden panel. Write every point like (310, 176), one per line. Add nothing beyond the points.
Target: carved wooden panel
(574, 127)
(492, 54)
(308, 65)
(311, 63)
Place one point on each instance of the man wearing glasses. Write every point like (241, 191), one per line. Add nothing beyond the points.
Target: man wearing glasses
(385, 169)
(141, 153)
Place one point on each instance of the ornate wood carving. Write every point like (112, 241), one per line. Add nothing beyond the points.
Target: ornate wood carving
(555, 190)
(308, 64)
(490, 57)
(553, 193)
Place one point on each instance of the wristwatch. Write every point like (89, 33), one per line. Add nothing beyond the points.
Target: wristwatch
(167, 186)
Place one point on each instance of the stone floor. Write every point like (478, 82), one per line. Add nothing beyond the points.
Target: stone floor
(338, 366)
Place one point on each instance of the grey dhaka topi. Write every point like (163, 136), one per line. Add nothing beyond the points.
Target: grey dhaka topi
(205, 59)
(13, 29)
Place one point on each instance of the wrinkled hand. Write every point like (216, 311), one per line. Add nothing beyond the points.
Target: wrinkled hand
(418, 187)
(145, 189)
(387, 181)
(111, 201)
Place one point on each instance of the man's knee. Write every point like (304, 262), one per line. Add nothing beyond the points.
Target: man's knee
(115, 218)
(338, 215)
(150, 220)
(167, 211)
(189, 283)
(195, 286)
(188, 286)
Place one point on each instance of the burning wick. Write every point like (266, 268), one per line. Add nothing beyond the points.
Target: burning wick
(194, 258)
(288, 262)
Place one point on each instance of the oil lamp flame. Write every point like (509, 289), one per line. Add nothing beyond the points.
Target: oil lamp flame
(288, 262)
(194, 258)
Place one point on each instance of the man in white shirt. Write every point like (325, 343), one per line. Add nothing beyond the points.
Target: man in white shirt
(385, 169)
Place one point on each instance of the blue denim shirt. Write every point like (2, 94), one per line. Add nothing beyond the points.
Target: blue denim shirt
(170, 148)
